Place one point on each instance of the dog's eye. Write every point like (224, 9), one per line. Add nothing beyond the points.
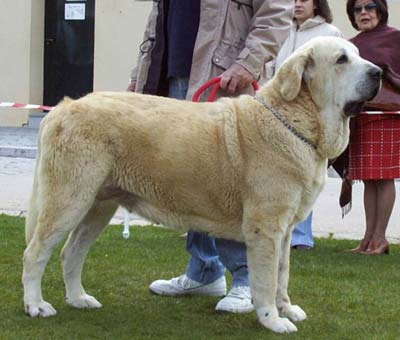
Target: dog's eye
(342, 59)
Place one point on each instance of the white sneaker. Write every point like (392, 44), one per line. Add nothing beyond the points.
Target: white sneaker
(182, 285)
(238, 300)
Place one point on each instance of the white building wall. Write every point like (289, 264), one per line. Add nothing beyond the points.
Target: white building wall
(21, 65)
(119, 31)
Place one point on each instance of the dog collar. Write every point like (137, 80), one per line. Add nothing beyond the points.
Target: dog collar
(284, 121)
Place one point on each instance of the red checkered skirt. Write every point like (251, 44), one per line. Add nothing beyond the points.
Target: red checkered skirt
(374, 150)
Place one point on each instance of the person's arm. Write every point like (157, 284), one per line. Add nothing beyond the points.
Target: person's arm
(132, 80)
(134, 72)
(146, 45)
(269, 27)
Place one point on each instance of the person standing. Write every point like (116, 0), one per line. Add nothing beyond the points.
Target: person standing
(186, 43)
(374, 149)
(312, 18)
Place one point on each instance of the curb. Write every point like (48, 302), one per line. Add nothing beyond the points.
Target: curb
(18, 152)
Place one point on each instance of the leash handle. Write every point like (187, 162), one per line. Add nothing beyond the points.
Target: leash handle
(216, 83)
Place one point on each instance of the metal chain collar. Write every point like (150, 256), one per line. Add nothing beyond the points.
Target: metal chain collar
(284, 121)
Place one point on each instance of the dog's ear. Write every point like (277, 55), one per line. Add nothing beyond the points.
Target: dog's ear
(290, 74)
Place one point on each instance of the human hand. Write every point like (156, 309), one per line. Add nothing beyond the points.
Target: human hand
(235, 78)
(131, 86)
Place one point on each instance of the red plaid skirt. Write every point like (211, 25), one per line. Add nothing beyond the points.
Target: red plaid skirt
(374, 150)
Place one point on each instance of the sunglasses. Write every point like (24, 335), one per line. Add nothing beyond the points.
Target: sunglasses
(368, 8)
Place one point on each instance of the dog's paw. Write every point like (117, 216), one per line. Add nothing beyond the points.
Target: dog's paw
(84, 301)
(278, 325)
(42, 309)
(293, 312)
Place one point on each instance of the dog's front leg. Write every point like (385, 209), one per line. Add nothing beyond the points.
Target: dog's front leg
(285, 308)
(263, 241)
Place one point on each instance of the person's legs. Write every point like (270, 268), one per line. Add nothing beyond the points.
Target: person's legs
(370, 197)
(204, 273)
(385, 198)
(233, 256)
(370, 208)
(385, 202)
(204, 265)
(302, 233)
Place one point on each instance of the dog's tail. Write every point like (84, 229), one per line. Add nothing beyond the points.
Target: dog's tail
(32, 215)
(35, 197)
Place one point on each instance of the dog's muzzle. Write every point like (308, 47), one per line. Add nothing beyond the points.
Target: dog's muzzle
(374, 79)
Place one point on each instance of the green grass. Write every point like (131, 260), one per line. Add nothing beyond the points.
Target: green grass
(346, 296)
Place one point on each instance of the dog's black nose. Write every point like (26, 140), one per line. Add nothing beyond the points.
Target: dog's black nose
(375, 72)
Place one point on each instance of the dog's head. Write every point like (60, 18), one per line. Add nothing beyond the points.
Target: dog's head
(335, 74)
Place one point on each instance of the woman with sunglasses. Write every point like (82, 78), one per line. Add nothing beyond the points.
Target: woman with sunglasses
(374, 149)
(312, 18)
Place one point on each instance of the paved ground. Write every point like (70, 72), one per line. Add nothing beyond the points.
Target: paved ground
(18, 142)
(16, 175)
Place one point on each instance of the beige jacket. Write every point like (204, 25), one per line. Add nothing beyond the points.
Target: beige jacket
(248, 32)
(311, 28)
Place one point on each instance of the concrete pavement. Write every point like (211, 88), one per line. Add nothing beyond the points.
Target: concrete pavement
(16, 175)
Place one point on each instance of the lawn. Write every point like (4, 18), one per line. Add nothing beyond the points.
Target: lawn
(346, 296)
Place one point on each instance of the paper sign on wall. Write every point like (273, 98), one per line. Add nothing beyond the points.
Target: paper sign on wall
(75, 11)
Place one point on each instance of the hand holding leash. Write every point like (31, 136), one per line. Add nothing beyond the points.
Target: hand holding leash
(235, 79)
(216, 82)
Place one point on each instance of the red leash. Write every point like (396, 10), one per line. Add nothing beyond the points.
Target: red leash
(217, 83)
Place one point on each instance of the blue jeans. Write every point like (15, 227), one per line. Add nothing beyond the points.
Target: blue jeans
(302, 233)
(210, 256)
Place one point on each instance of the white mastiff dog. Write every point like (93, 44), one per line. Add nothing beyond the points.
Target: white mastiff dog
(245, 168)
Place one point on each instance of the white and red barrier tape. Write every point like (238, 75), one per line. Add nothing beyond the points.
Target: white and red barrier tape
(381, 112)
(48, 108)
(26, 106)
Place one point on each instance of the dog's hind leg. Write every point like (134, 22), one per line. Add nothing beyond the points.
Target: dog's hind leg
(62, 205)
(76, 248)
(263, 237)
(285, 308)
(35, 259)
(52, 226)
